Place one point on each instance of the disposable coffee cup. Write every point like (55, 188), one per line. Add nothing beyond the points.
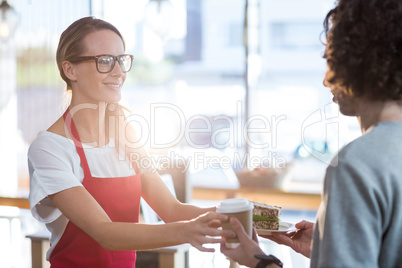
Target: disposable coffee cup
(240, 208)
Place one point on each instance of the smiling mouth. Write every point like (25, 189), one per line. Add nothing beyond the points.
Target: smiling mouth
(116, 86)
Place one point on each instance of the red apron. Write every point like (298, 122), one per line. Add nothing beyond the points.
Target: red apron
(119, 197)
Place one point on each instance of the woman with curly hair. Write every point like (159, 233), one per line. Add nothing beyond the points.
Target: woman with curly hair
(359, 222)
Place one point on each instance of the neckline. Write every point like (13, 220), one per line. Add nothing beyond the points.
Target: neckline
(111, 143)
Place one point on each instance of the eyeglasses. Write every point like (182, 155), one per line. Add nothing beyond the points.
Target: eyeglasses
(105, 63)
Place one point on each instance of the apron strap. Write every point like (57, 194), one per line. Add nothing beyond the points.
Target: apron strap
(135, 166)
(76, 138)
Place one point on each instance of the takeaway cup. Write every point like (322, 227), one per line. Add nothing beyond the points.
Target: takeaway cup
(240, 208)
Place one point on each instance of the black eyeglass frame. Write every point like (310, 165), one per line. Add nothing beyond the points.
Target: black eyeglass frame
(115, 58)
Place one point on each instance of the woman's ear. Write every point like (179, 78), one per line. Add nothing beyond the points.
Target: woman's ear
(69, 70)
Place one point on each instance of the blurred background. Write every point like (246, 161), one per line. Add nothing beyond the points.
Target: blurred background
(227, 86)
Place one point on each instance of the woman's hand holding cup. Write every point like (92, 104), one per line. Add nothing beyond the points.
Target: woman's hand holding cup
(241, 209)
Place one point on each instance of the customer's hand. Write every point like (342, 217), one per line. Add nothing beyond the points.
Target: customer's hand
(244, 253)
(204, 230)
(299, 241)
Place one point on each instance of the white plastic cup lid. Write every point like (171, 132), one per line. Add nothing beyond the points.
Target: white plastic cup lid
(233, 205)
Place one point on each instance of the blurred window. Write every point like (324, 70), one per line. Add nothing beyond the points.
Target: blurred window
(296, 35)
(186, 89)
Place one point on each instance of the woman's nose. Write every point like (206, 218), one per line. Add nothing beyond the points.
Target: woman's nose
(324, 82)
(117, 70)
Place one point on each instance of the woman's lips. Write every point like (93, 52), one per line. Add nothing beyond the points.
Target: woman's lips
(113, 85)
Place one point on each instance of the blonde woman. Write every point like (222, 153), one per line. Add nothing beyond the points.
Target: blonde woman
(83, 184)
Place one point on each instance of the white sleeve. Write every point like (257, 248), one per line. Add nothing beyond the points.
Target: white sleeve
(51, 170)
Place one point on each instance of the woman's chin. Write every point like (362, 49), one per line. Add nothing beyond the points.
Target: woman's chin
(113, 98)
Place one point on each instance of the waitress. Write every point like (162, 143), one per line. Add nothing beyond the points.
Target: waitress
(83, 185)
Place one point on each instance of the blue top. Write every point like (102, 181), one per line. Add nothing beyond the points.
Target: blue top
(359, 222)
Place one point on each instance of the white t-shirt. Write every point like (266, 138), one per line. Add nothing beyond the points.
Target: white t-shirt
(54, 166)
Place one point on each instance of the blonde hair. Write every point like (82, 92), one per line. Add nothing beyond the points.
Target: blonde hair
(71, 43)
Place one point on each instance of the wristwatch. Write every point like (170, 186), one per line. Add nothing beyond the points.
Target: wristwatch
(267, 260)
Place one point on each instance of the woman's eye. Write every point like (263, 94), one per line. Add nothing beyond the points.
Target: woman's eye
(106, 61)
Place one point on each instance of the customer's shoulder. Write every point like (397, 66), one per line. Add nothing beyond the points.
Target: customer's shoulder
(382, 139)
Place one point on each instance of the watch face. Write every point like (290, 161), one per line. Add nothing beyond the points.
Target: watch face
(267, 260)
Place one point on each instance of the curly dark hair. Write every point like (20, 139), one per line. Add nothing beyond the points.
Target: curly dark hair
(364, 47)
